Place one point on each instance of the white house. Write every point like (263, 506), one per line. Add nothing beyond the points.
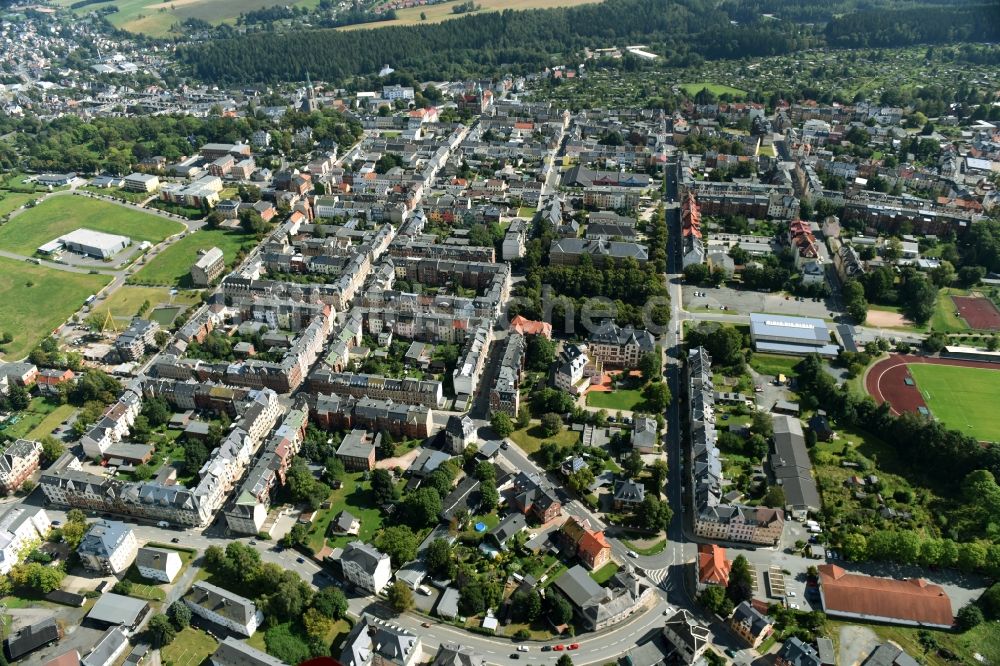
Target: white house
(108, 546)
(158, 564)
(366, 567)
(224, 608)
(19, 527)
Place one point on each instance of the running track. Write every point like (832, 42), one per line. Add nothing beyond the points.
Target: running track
(884, 380)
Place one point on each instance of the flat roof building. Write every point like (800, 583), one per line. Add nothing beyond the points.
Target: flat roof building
(87, 241)
(796, 336)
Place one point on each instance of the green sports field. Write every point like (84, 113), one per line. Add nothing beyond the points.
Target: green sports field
(59, 215)
(34, 300)
(962, 398)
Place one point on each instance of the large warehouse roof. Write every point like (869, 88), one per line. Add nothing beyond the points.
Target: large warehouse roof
(805, 329)
(91, 238)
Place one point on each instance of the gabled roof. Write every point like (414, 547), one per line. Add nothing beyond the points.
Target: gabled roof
(31, 638)
(913, 600)
(713, 567)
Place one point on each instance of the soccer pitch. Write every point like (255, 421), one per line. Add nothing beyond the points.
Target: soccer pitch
(962, 398)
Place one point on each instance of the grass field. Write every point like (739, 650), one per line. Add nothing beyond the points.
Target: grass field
(442, 12)
(61, 214)
(11, 201)
(620, 399)
(774, 365)
(40, 418)
(530, 439)
(984, 639)
(356, 497)
(172, 266)
(961, 398)
(945, 318)
(155, 18)
(604, 574)
(126, 301)
(714, 88)
(189, 648)
(34, 300)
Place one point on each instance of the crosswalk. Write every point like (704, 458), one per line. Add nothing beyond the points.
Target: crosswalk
(659, 577)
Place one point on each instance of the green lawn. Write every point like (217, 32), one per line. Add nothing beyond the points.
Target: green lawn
(945, 318)
(604, 574)
(189, 648)
(34, 300)
(356, 497)
(530, 439)
(619, 399)
(655, 549)
(126, 301)
(40, 419)
(11, 201)
(61, 214)
(961, 398)
(172, 267)
(714, 88)
(773, 364)
(984, 639)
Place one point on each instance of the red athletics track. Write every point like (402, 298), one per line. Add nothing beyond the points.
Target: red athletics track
(884, 380)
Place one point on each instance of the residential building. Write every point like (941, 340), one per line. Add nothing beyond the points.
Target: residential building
(108, 649)
(514, 240)
(375, 642)
(141, 182)
(568, 251)
(232, 652)
(20, 527)
(795, 336)
(505, 395)
(580, 540)
(525, 326)
(452, 654)
(620, 346)
(713, 567)
(108, 546)
(459, 432)
(158, 564)
(224, 608)
(794, 652)
(693, 250)
(50, 379)
(791, 468)
(345, 523)
(600, 607)
(357, 450)
(644, 434)
(687, 637)
(18, 462)
(750, 624)
(400, 419)
(888, 654)
(135, 340)
(210, 265)
(364, 566)
(575, 370)
(628, 495)
(911, 602)
(532, 494)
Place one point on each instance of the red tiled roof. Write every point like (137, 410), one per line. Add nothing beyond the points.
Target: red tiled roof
(713, 567)
(690, 217)
(912, 600)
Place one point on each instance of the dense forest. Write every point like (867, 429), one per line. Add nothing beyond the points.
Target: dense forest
(482, 44)
(927, 25)
(524, 41)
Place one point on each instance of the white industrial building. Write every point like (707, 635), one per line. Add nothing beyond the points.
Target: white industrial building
(87, 241)
(796, 336)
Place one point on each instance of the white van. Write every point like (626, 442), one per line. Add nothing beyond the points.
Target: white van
(163, 523)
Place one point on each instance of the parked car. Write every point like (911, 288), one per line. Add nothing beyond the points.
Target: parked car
(557, 648)
(574, 646)
(515, 656)
(546, 648)
(522, 648)
(300, 560)
(175, 540)
(632, 553)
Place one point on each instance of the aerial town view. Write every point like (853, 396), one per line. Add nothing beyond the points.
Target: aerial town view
(474, 333)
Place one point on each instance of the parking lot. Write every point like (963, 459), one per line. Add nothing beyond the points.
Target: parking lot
(744, 302)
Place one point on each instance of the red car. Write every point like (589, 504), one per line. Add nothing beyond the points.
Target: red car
(574, 646)
(557, 648)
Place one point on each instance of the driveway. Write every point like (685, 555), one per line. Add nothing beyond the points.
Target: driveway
(856, 643)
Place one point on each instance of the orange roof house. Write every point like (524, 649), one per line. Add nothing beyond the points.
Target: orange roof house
(529, 327)
(912, 601)
(588, 544)
(713, 567)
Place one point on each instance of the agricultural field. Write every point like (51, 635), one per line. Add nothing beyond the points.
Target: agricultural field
(172, 266)
(59, 215)
(35, 300)
(156, 18)
(961, 398)
(443, 12)
(714, 88)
